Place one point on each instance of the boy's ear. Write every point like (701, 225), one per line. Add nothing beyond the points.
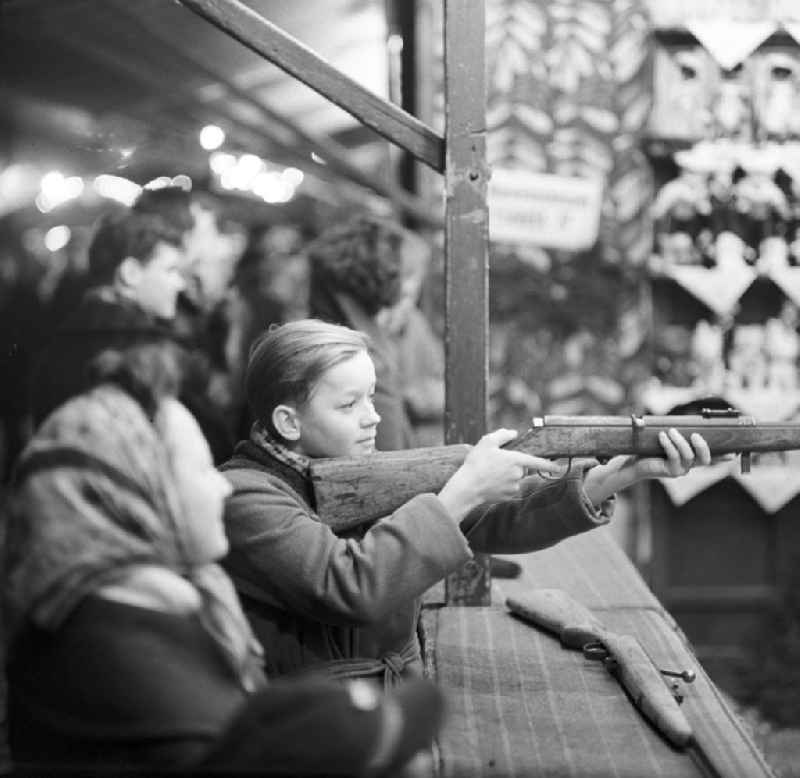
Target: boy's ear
(129, 272)
(286, 423)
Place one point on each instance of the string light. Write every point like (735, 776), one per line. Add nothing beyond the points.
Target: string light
(57, 237)
(212, 137)
(117, 188)
(56, 189)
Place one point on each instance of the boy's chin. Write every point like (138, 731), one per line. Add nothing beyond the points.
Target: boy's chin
(363, 447)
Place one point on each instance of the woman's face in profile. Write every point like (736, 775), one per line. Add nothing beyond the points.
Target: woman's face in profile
(201, 487)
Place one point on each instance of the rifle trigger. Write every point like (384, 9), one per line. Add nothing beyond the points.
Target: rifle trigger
(745, 461)
(687, 676)
(546, 477)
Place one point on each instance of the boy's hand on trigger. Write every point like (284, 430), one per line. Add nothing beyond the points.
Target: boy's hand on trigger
(490, 474)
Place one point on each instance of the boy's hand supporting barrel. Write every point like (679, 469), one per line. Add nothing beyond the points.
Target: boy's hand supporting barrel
(620, 472)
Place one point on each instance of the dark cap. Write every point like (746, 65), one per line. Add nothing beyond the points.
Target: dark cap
(320, 727)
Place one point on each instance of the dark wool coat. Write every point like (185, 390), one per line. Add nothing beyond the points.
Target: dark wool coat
(349, 605)
(106, 320)
(120, 686)
(103, 320)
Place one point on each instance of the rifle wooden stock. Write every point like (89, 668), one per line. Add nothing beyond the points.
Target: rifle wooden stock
(555, 611)
(355, 490)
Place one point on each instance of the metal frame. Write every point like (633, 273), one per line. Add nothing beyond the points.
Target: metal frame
(461, 157)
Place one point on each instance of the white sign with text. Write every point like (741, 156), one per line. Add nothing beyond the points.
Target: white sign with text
(544, 210)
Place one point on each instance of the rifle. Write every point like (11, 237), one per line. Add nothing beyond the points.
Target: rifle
(625, 658)
(354, 490)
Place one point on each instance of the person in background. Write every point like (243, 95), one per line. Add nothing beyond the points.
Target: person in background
(126, 644)
(347, 605)
(420, 362)
(355, 274)
(270, 286)
(420, 352)
(209, 254)
(206, 313)
(134, 281)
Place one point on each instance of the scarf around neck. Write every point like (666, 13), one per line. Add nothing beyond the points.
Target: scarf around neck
(266, 441)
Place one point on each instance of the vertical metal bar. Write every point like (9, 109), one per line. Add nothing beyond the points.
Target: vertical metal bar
(466, 255)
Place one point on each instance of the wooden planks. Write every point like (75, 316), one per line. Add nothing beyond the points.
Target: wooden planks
(466, 258)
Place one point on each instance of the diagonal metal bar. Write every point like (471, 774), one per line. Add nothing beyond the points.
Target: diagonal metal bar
(289, 54)
(104, 56)
(335, 154)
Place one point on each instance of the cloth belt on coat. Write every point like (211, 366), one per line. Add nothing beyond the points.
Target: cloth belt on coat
(389, 667)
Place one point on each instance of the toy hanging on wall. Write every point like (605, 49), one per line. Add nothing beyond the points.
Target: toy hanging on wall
(683, 77)
(790, 181)
(682, 212)
(763, 212)
(731, 107)
(707, 357)
(781, 348)
(746, 361)
(776, 78)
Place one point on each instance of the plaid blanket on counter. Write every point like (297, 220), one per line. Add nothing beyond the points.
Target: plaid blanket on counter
(522, 705)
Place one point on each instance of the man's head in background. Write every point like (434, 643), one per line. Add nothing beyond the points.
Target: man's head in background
(209, 254)
(361, 257)
(139, 254)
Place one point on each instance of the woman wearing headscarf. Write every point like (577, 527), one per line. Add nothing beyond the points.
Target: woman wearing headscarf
(126, 642)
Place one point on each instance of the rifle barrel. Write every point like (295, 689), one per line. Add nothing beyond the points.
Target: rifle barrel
(356, 490)
(603, 437)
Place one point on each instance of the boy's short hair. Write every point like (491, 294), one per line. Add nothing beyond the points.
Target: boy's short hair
(361, 257)
(126, 234)
(286, 362)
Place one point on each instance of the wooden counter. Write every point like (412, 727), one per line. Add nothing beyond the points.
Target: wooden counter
(522, 705)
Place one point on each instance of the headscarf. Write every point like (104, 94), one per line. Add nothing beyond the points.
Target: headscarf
(94, 498)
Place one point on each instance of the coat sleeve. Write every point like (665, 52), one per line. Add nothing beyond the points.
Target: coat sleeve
(282, 555)
(545, 513)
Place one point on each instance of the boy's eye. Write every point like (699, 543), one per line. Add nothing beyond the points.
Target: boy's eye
(351, 404)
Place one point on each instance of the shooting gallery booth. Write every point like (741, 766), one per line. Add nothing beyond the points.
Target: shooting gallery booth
(541, 140)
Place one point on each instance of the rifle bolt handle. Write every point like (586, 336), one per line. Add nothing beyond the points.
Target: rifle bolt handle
(687, 676)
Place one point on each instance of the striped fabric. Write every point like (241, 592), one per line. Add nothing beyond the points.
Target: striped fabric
(521, 705)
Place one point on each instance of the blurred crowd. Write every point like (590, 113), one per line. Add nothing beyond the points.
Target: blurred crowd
(123, 388)
(173, 595)
(222, 287)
